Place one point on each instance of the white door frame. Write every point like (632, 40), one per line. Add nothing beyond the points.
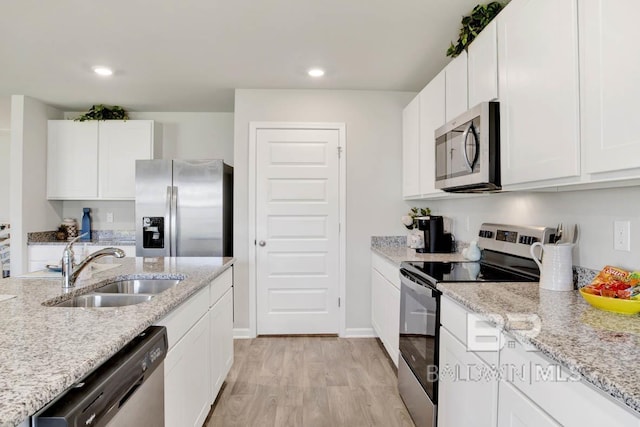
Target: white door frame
(342, 167)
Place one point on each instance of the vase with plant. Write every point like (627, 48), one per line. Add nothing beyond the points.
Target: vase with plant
(472, 24)
(409, 220)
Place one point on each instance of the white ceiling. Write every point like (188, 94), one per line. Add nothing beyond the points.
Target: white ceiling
(189, 55)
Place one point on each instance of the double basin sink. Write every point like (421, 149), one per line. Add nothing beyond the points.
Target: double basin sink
(121, 293)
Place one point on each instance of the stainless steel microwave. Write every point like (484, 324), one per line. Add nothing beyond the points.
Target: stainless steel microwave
(468, 151)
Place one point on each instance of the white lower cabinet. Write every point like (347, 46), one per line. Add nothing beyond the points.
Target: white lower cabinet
(562, 394)
(200, 355)
(221, 323)
(467, 388)
(385, 304)
(516, 410)
(186, 378)
(39, 256)
(467, 382)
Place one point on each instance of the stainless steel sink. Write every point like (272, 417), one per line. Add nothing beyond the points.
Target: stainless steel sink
(139, 286)
(100, 300)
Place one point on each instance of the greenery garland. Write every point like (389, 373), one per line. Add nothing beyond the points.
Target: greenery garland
(480, 17)
(102, 112)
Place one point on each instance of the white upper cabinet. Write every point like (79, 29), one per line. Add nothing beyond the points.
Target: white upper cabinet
(410, 149)
(610, 79)
(539, 91)
(483, 66)
(432, 116)
(121, 144)
(96, 160)
(72, 160)
(456, 87)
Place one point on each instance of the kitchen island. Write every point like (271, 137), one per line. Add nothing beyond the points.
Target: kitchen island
(44, 349)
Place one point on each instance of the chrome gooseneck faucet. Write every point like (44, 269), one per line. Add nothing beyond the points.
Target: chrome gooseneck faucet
(71, 271)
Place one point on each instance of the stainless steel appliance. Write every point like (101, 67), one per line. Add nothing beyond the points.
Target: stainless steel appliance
(126, 390)
(505, 258)
(468, 151)
(184, 208)
(435, 239)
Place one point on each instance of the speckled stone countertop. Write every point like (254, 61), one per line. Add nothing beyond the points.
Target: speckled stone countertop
(400, 253)
(44, 350)
(603, 347)
(92, 242)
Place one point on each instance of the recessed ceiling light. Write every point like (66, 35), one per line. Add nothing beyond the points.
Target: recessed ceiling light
(316, 72)
(102, 71)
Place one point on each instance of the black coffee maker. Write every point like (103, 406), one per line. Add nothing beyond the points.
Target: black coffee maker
(435, 239)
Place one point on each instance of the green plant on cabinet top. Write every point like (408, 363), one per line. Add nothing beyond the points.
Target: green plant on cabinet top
(472, 24)
(102, 112)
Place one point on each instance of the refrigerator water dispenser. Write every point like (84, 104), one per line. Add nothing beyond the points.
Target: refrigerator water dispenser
(153, 232)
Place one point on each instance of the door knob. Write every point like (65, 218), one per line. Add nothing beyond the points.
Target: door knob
(262, 243)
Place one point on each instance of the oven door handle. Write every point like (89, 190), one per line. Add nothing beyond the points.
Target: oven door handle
(422, 288)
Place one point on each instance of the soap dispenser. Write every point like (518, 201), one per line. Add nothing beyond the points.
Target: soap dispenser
(86, 224)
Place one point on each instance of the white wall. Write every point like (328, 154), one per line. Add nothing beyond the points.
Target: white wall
(184, 136)
(593, 210)
(5, 162)
(30, 210)
(374, 177)
(5, 143)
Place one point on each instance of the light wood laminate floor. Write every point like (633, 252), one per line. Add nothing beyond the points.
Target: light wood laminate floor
(309, 381)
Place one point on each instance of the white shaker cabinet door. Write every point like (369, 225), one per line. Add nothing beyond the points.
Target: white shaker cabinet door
(516, 410)
(483, 66)
(467, 387)
(456, 87)
(410, 149)
(610, 71)
(72, 160)
(186, 378)
(121, 144)
(538, 86)
(432, 116)
(221, 324)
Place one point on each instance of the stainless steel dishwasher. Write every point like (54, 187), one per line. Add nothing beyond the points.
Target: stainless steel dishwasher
(126, 390)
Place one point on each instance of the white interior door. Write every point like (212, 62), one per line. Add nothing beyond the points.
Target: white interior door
(297, 231)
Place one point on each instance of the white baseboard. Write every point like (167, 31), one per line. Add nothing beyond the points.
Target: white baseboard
(245, 333)
(360, 333)
(242, 333)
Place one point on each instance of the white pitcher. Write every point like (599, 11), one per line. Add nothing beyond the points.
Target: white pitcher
(556, 270)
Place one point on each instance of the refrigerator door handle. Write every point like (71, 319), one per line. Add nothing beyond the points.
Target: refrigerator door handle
(174, 221)
(168, 230)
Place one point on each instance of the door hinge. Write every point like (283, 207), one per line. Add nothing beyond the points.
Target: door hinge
(339, 151)
(338, 302)
(255, 242)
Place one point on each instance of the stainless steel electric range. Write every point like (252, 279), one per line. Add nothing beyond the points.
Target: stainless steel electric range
(505, 258)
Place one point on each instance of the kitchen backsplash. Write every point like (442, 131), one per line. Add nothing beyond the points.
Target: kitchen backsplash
(96, 235)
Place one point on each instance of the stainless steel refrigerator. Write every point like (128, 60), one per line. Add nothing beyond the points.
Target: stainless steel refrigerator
(184, 208)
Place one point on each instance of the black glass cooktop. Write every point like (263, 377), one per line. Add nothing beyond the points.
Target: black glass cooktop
(465, 272)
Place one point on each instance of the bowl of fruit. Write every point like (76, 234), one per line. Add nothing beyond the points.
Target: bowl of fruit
(614, 289)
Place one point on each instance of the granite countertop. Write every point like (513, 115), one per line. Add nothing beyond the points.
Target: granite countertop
(398, 254)
(92, 242)
(44, 350)
(603, 347)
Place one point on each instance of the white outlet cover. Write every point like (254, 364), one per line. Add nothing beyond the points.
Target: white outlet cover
(622, 236)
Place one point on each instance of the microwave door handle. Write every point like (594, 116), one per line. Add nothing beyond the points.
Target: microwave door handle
(465, 135)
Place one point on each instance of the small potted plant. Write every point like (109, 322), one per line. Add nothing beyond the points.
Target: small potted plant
(61, 234)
